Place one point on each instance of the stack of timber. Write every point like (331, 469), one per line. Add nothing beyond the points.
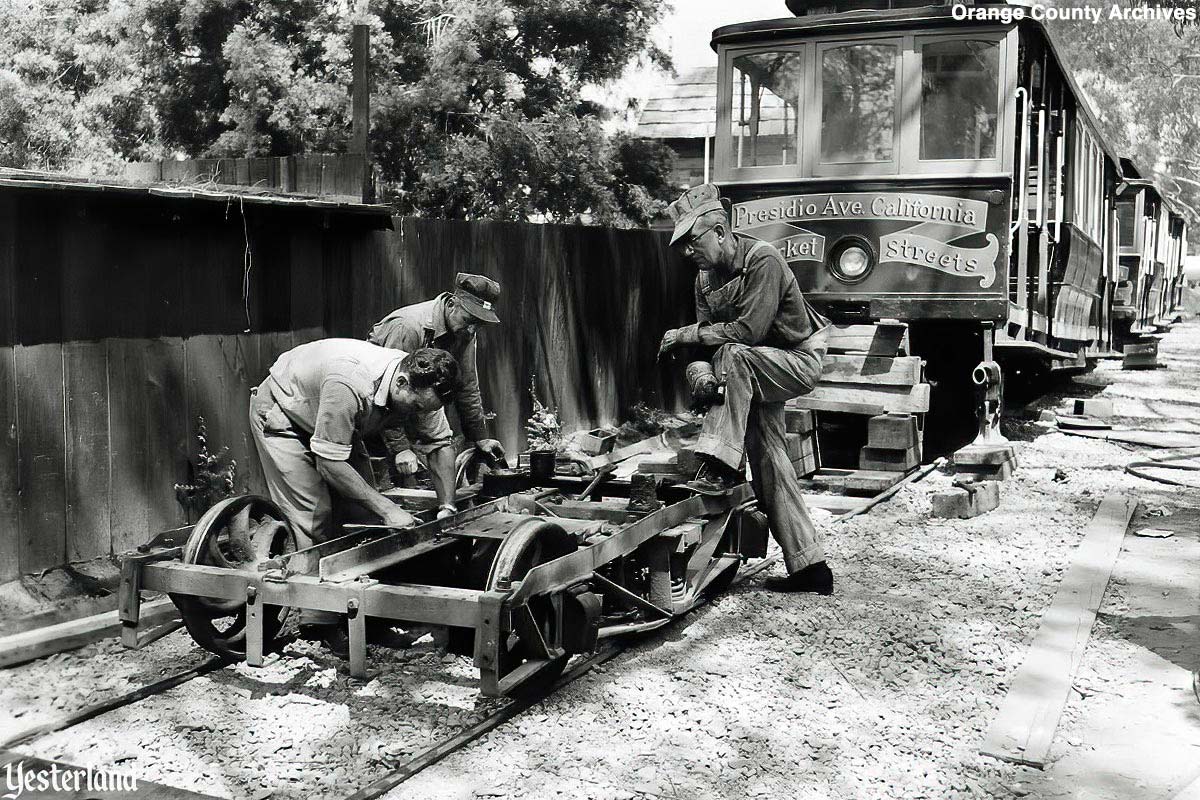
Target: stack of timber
(1143, 355)
(985, 462)
(802, 441)
(893, 444)
(868, 372)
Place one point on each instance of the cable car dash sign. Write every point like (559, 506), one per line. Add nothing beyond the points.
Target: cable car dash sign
(938, 222)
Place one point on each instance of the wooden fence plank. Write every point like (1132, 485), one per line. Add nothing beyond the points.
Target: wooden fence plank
(167, 426)
(87, 451)
(1023, 728)
(39, 382)
(129, 460)
(10, 488)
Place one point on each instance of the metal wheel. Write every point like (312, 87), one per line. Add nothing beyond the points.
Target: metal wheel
(530, 544)
(237, 533)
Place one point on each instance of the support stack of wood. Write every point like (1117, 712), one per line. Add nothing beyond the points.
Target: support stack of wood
(677, 466)
(985, 462)
(1140, 356)
(868, 372)
(802, 442)
(893, 444)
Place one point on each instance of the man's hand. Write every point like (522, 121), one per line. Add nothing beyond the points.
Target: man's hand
(446, 511)
(670, 341)
(397, 517)
(492, 449)
(407, 463)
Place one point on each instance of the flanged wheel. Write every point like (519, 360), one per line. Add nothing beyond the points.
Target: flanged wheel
(237, 533)
(530, 544)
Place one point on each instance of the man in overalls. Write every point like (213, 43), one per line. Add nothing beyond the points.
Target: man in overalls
(769, 343)
(448, 322)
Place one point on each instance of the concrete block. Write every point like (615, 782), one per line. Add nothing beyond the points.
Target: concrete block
(888, 460)
(1093, 407)
(966, 500)
(892, 431)
(798, 420)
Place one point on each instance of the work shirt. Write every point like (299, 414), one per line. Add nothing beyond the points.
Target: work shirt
(761, 304)
(336, 391)
(424, 325)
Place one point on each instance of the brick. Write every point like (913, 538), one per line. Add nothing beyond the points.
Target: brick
(799, 446)
(1093, 407)
(892, 431)
(798, 420)
(888, 460)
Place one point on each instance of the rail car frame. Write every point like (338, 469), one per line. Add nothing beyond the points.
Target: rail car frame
(644, 564)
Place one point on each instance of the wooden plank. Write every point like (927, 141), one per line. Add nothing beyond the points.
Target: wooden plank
(902, 371)
(1023, 728)
(22, 647)
(129, 460)
(864, 398)
(43, 456)
(10, 488)
(167, 444)
(879, 339)
(89, 532)
(835, 503)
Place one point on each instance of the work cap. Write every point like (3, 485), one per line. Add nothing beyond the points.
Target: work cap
(691, 205)
(477, 294)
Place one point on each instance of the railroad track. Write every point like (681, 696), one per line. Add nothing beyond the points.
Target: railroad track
(402, 771)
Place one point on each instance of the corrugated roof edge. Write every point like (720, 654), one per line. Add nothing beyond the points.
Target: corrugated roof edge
(55, 181)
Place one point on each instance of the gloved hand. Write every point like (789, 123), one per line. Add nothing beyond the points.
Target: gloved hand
(446, 511)
(493, 450)
(407, 463)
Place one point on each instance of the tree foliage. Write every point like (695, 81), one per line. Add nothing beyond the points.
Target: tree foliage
(1143, 81)
(477, 105)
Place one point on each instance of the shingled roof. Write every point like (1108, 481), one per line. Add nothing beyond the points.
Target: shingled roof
(685, 107)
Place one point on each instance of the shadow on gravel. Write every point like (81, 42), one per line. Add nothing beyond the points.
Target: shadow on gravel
(1171, 638)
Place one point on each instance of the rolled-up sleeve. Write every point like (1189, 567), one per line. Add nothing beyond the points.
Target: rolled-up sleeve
(333, 433)
(428, 432)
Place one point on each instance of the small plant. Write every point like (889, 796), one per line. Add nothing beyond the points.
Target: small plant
(544, 427)
(213, 477)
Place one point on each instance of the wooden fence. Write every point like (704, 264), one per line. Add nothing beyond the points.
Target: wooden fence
(121, 323)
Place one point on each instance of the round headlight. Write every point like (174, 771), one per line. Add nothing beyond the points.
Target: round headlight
(853, 261)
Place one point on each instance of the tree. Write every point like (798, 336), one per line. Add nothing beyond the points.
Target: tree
(1134, 74)
(477, 104)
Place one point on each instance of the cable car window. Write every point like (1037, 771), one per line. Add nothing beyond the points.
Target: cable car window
(1127, 221)
(767, 91)
(858, 103)
(960, 83)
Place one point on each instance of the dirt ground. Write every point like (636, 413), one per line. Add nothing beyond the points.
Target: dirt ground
(884, 690)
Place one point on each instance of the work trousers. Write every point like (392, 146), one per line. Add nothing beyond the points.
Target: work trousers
(290, 470)
(758, 380)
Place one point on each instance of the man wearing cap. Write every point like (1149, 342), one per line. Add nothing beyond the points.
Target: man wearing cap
(309, 418)
(768, 347)
(448, 322)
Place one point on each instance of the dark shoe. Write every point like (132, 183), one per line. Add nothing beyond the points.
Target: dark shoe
(816, 578)
(334, 637)
(714, 478)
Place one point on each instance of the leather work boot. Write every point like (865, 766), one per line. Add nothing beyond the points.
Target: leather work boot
(815, 578)
(335, 637)
(714, 478)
